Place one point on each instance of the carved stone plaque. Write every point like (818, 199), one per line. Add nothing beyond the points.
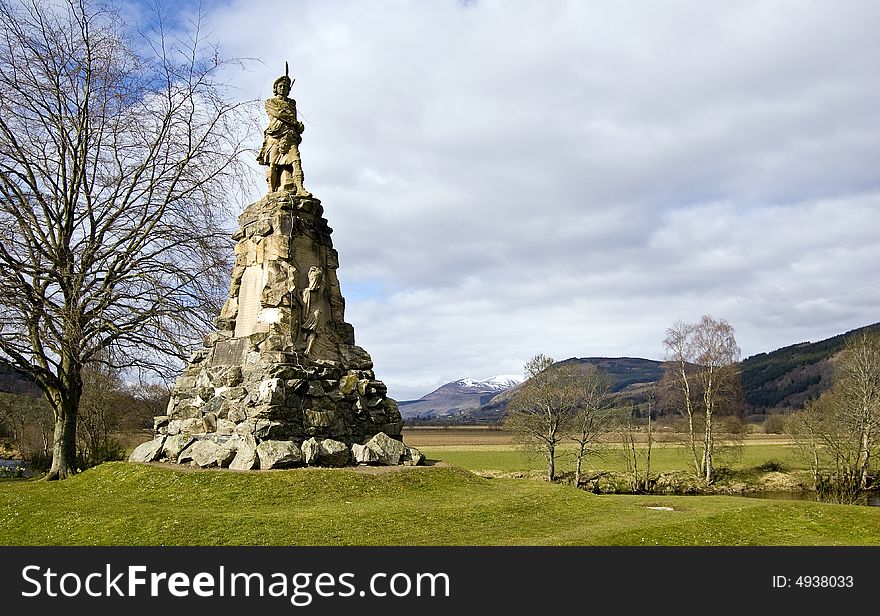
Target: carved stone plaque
(229, 352)
(252, 282)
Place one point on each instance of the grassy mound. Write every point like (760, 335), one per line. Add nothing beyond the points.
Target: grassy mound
(131, 504)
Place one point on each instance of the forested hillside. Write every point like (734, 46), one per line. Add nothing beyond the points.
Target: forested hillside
(788, 377)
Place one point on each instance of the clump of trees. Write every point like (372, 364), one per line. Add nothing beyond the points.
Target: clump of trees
(839, 432)
(559, 403)
(118, 150)
(110, 412)
(26, 428)
(100, 417)
(701, 381)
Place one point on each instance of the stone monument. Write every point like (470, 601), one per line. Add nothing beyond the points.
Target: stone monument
(281, 381)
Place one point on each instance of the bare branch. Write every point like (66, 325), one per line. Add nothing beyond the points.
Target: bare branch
(116, 161)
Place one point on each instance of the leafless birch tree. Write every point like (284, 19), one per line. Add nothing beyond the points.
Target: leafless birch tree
(117, 149)
(702, 365)
(679, 379)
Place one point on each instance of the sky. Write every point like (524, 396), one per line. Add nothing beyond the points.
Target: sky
(572, 177)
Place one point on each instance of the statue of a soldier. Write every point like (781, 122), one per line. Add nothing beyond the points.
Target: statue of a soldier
(280, 151)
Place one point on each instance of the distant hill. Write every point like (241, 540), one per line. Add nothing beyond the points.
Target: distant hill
(456, 399)
(467, 401)
(627, 373)
(14, 382)
(772, 382)
(632, 378)
(786, 378)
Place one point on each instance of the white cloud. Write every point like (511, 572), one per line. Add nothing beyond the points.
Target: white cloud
(507, 178)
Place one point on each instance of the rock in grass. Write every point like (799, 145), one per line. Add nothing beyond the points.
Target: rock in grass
(204, 453)
(278, 454)
(388, 449)
(149, 451)
(227, 453)
(175, 445)
(412, 457)
(363, 454)
(310, 450)
(246, 454)
(333, 453)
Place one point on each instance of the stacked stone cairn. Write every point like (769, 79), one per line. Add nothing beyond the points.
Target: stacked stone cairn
(280, 382)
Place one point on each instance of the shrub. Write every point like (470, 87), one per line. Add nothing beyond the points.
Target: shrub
(774, 424)
(108, 450)
(771, 466)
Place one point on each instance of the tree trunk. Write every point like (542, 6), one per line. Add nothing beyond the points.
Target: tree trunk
(707, 453)
(648, 461)
(66, 405)
(577, 471)
(551, 463)
(698, 468)
(632, 457)
(64, 446)
(686, 389)
(865, 455)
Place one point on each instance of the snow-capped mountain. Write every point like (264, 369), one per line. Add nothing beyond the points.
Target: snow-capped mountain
(458, 397)
(496, 383)
(504, 381)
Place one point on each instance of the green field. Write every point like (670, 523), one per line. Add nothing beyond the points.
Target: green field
(509, 458)
(131, 504)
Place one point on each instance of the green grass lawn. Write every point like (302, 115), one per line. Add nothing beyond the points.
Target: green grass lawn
(131, 504)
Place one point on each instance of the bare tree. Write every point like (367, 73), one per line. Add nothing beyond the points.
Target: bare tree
(28, 422)
(839, 432)
(116, 149)
(678, 377)
(702, 363)
(636, 457)
(11, 417)
(832, 442)
(100, 412)
(148, 401)
(559, 402)
(718, 375)
(537, 414)
(857, 385)
(810, 433)
(592, 414)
